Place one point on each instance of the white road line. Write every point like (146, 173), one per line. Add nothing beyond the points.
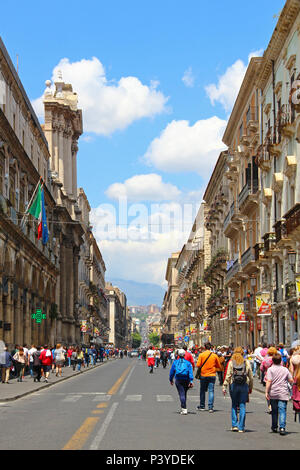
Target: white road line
(164, 398)
(133, 398)
(100, 435)
(126, 381)
(102, 398)
(71, 399)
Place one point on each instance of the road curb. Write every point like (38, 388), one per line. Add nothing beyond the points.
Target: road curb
(50, 384)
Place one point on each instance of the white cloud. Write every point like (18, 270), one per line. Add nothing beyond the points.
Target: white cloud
(143, 245)
(188, 78)
(148, 187)
(184, 147)
(227, 88)
(107, 106)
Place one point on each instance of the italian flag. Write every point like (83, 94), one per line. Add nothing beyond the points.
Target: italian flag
(37, 210)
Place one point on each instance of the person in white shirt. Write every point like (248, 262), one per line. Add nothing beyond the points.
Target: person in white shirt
(150, 359)
(30, 359)
(257, 360)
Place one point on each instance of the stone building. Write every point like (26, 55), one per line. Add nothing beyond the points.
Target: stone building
(62, 128)
(118, 316)
(193, 319)
(217, 305)
(169, 310)
(29, 271)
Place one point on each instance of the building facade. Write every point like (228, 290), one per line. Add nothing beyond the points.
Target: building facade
(29, 270)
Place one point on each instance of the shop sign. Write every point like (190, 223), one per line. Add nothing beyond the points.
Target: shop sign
(263, 306)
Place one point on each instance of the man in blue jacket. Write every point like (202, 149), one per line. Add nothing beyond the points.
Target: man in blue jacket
(183, 372)
(6, 361)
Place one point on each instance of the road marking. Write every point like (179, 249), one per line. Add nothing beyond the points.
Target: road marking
(102, 405)
(117, 384)
(97, 412)
(193, 398)
(78, 440)
(103, 398)
(71, 399)
(101, 433)
(126, 381)
(133, 398)
(164, 398)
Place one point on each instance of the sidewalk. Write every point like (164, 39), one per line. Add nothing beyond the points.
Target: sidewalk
(15, 390)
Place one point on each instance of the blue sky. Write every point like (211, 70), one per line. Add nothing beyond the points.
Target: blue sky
(156, 43)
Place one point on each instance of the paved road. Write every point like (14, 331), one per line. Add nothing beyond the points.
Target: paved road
(121, 406)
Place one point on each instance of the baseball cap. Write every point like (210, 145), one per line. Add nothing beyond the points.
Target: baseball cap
(181, 352)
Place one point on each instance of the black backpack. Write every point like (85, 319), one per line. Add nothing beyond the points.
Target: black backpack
(239, 373)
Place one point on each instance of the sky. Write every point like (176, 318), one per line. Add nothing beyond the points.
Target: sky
(156, 82)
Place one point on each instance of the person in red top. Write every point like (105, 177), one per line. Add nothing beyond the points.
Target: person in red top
(46, 361)
(189, 357)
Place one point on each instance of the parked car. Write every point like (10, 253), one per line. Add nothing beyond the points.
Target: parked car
(134, 353)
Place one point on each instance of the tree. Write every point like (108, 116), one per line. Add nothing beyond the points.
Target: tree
(136, 340)
(154, 339)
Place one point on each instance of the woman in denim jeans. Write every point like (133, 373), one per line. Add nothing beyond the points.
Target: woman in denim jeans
(277, 391)
(239, 377)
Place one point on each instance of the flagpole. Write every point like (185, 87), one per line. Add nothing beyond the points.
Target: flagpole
(28, 205)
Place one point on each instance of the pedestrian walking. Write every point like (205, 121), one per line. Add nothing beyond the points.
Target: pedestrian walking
(6, 362)
(59, 359)
(46, 361)
(220, 371)
(74, 358)
(150, 356)
(37, 365)
(30, 359)
(79, 358)
(157, 358)
(266, 363)
(277, 392)
(20, 363)
(207, 364)
(188, 356)
(239, 377)
(296, 386)
(182, 371)
(69, 355)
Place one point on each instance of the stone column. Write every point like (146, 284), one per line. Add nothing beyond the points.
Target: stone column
(8, 335)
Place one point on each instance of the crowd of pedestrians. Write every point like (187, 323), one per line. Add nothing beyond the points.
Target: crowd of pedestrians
(275, 367)
(39, 362)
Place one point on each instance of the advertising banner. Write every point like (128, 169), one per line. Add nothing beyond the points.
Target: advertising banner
(298, 288)
(224, 314)
(83, 326)
(240, 314)
(263, 306)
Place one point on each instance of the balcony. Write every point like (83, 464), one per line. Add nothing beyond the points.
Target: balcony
(290, 291)
(248, 198)
(231, 279)
(281, 236)
(248, 261)
(264, 159)
(232, 221)
(293, 222)
(269, 242)
(287, 121)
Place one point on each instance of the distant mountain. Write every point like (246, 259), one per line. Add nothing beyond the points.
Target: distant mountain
(139, 293)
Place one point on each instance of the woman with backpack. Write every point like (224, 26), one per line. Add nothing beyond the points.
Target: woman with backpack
(182, 370)
(277, 391)
(239, 377)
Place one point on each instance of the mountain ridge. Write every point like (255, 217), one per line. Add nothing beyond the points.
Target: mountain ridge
(139, 293)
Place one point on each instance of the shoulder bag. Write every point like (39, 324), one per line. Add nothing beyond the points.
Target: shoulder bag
(198, 373)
